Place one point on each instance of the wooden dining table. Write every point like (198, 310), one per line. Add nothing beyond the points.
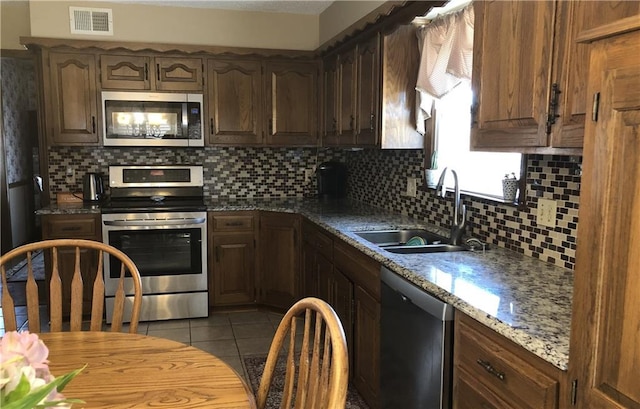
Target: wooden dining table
(138, 371)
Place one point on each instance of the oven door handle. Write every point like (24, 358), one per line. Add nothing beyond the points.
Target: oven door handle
(199, 220)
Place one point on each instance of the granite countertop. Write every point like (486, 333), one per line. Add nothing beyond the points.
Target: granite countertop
(524, 299)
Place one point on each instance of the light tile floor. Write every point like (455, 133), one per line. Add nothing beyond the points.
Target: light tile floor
(228, 335)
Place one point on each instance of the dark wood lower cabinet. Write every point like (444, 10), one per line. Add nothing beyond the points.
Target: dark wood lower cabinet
(233, 269)
(85, 226)
(366, 348)
(279, 259)
(232, 258)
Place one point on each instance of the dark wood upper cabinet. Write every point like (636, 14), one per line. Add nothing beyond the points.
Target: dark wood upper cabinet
(135, 72)
(347, 89)
(71, 99)
(235, 102)
(291, 103)
(572, 62)
(529, 74)
(330, 102)
(368, 84)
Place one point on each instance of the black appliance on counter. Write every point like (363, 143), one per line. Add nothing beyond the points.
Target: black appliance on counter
(332, 179)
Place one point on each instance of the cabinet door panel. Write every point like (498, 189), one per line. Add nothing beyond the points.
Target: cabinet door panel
(511, 78)
(347, 99)
(292, 104)
(125, 72)
(366, 367)
(233, 269)
(235, 102)
(572, 62)
(73, 102)
(368, 92)
(341, 300)
(330, 101)
(178, 74)
(279, 259)
(605, 350)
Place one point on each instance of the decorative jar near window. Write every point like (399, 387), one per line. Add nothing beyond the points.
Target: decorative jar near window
(510, 187)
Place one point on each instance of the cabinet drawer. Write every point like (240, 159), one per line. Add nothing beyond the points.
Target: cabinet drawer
(233, 223)
(72, 227)
(360, 268)
(502, 371)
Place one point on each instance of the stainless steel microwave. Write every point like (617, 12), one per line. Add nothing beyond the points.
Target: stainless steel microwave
(152, 119)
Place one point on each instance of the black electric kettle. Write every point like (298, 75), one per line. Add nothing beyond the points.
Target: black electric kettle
(92, 188)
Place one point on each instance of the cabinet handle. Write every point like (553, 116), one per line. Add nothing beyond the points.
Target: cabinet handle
(231, 224)
(71, 228)
(146, 71)
(489, 368)
(371, 121)
(93, 124)
(158, 71)
(553, 106)
(335, 124)
(211, 126)
(352, 123)
(595, 106)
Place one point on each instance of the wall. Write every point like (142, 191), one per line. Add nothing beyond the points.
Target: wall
(14, 23)
(19, 139)
(379, 177)
(183, 25)
(341, 14)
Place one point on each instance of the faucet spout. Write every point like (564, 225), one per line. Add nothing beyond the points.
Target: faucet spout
(459, 216)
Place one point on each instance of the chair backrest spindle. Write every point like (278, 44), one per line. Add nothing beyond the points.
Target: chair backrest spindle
(82, 249)
(321, 369)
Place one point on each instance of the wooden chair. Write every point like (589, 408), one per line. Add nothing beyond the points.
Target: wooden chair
(55, 287)
(322, 365)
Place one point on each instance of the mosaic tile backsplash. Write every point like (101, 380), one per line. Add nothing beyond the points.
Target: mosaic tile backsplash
(376, 177)
(379, 177)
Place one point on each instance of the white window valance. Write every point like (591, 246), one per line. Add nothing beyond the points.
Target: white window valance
(446, 52)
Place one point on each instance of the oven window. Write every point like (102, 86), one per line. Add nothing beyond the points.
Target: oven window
(159, 252)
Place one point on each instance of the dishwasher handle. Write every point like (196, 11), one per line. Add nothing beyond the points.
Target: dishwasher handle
(417, 296)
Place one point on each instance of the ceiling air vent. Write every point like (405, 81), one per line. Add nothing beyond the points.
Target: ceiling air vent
(91, 21)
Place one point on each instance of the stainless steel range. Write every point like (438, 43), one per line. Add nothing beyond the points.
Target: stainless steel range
(157, 216)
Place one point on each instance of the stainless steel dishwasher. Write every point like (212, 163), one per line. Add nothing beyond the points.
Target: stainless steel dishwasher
(416, 346)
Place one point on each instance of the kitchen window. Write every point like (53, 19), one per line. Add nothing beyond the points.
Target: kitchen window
(444, 86)
(479, 173)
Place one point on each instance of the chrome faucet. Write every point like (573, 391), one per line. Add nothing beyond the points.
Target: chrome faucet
(459, 221)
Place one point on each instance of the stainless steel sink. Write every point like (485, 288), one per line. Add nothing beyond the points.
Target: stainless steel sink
(430, 248)
(409, 241)
(385, 238)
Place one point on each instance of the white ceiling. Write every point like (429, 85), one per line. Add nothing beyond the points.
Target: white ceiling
(314, 7)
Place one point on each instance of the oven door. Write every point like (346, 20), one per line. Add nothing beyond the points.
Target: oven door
(169, 249)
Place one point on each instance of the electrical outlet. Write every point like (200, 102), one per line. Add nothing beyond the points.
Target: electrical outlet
(547, 210)
(412, 187)
(70, 176)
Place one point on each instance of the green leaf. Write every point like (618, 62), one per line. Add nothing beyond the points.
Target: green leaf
(21, 390)
(38, 394)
